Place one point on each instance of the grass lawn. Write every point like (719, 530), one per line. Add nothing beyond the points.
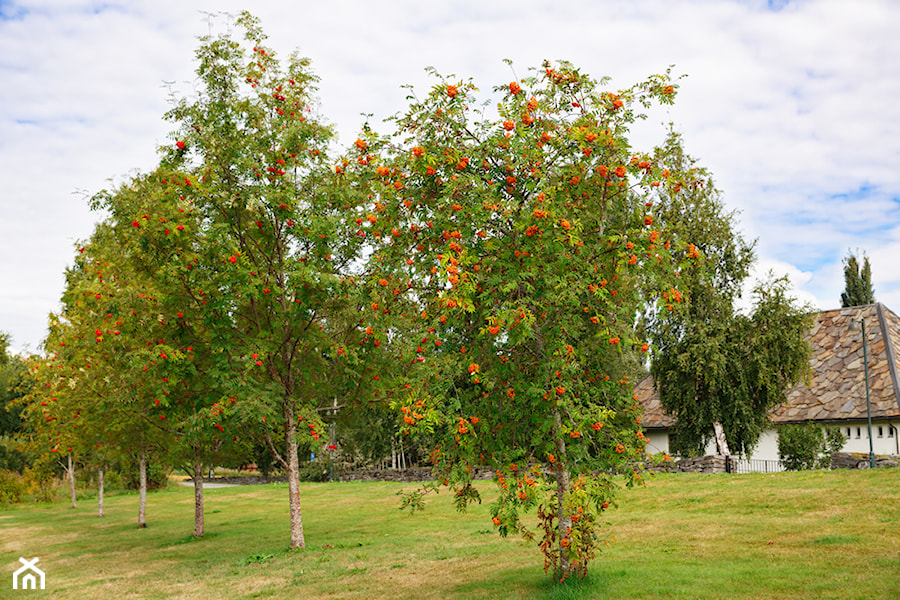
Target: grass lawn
(808, 535)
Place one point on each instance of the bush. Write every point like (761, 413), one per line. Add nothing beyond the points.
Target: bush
(11, 457)
(314, 471)
(834, 441)
(807, 447)
(12, 488)
(40, 481)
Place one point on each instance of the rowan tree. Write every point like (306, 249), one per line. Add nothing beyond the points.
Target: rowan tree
(102, 361)
(263, 235)
(161, 253)
(530, 243)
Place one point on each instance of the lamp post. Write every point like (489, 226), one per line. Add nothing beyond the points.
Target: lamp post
(857, 326)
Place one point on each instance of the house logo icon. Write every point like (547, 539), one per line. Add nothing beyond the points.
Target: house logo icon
(28, 575)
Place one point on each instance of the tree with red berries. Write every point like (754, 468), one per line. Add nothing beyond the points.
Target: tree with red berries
(530, 242)
(263, 236)
(102, 360)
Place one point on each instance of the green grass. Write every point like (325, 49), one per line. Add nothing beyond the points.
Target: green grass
(814, 535)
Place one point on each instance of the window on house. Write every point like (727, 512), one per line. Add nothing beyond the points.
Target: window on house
(891, 431)
(858, 433)
(880, 431)
(849, 434)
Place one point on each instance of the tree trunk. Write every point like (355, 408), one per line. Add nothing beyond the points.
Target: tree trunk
(402, 456)
(100, 492)
(71, 473)
(197, 477)
(563, 485)
(142, 498)
(293, 476)
(721, 442)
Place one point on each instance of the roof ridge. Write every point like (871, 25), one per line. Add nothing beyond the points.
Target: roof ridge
(889, 349)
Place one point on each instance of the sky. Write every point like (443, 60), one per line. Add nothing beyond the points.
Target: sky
(793, 105)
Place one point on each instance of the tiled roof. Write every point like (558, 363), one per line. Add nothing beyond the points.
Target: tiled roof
(836, 389)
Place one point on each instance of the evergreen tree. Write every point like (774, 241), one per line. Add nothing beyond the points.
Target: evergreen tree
(857, 282)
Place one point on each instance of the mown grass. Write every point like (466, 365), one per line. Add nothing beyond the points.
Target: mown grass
(808, 535)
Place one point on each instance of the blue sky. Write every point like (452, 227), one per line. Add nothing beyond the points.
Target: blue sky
(791, 104)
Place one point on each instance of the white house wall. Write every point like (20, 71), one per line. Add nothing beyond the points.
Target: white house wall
(884, 440)
(884, 437)
(657, 441)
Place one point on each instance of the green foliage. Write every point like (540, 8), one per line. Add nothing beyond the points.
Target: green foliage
(41, 479)
(13, 385)
(858, 288)
(12, 455)
(314, 470)
(733, 371)
(157, 474)
(251, 242)
(12, 487)
(834, 441)
(808, 446)
(524, 244)
(711, 363)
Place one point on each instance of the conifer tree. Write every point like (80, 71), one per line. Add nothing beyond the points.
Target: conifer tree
(857, 282)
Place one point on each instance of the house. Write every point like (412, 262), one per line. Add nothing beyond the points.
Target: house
(836, 394)
(28, 575)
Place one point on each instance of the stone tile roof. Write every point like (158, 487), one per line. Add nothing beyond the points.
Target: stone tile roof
(648, 397)
(836, 389)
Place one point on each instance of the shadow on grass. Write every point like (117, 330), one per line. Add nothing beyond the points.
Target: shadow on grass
(531, 582)
(189, 539)
(571, 589)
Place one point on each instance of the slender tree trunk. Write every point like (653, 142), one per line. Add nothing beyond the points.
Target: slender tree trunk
(142, 498)
(721, 442)
(402, 455)
(197, 476)
(393, 453)
(71, 472)
(293, 476)
(563, 485)
(100, 492)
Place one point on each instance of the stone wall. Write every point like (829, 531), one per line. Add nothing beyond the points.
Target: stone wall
(860, 460)
(247, 479)
(702, 464)
(407, 475)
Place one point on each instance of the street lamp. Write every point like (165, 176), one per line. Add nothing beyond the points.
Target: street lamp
(857, 326)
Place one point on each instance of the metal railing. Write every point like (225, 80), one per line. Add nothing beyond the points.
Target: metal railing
(744, 465)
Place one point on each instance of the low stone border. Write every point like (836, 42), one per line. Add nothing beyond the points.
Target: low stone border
(405, 475)
(702, 464)
(860, 460)
(246, 480)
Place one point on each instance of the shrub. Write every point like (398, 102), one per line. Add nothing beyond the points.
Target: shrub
(834, 441)
(12, 458)
(807, 446)
(40, 481)
(12, 487)
(314, 471)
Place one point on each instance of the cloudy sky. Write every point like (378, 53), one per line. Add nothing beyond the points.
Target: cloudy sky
(794, 105)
